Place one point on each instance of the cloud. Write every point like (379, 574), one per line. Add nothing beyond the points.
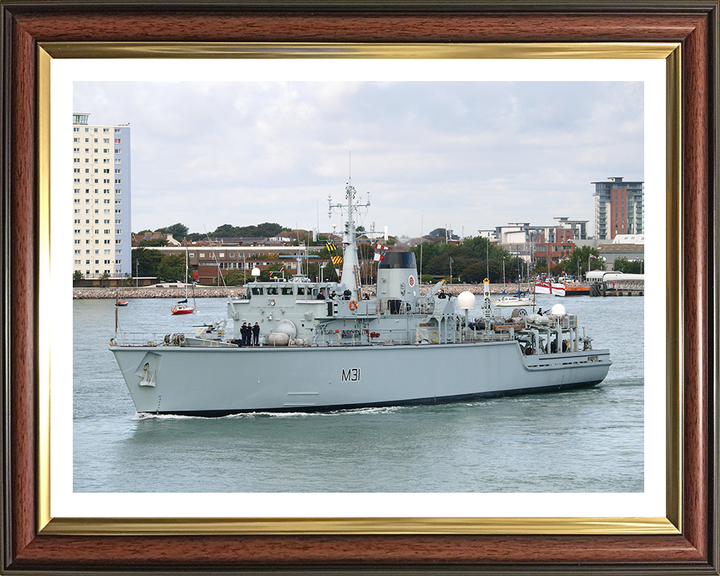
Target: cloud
(471, 154)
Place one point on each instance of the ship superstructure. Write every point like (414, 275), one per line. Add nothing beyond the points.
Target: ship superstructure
(328, 346)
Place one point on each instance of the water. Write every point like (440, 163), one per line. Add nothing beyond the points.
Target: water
(577, 441)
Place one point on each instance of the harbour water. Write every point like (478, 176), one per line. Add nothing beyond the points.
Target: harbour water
(582, 441)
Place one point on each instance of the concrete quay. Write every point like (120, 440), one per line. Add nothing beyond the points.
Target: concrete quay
(236, 291)
(152, 292)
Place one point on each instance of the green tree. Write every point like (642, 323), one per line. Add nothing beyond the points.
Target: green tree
(150, 243)
(225, 231)
(473, 273)
(172, 267)
(329, 273)
(179, 231)
(265, 274)
(264, 230)
(146, 261)
(77, 275)
(636, 267)
(541, 266)
(578, 261)
(628, 266)
(621, 264)
(234, 277)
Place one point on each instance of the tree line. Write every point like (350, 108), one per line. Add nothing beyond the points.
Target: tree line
(471, 260)
(181, 232)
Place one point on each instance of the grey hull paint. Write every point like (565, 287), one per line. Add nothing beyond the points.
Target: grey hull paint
(220, 381)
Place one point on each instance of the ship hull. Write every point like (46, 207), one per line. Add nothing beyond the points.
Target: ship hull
(221, 381)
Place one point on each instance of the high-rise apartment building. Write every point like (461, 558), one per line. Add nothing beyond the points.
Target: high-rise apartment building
(618, 208)
(101, 199)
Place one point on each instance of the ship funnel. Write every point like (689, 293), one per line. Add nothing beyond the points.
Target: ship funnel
(398, 280)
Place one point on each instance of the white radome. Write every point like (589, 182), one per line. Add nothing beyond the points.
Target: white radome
(558, 310)
(466, 300)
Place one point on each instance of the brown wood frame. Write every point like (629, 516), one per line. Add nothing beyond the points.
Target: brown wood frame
(692, 23)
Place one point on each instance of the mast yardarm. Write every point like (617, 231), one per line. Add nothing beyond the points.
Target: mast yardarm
(350, 259)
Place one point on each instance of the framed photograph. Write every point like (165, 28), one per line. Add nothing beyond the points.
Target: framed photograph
(53, 523)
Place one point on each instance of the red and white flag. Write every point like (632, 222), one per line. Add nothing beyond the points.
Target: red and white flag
(380, 247)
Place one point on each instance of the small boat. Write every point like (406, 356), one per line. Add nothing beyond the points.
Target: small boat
(512, 301)
(118, 301)
(182, 306)
(570, 288)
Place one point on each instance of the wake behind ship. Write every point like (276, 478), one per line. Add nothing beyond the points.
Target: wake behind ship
(330, 346)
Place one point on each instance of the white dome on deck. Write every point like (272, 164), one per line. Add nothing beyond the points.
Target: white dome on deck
(558, 310)
(466, 300)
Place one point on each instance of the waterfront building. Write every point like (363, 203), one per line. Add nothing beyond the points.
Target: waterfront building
(538, 244)
(617, 208)
(612, 251)
(208, 262)
(628, 246)
(101, 199)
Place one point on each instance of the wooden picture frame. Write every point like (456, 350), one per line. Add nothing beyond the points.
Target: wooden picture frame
(688, 542)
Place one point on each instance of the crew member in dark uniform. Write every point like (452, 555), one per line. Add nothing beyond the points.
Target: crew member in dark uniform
(256, 334)
(244, 334)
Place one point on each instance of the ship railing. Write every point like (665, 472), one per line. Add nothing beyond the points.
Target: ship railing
(483, 336)
(566, 321)
(136, 339)
(429, 336)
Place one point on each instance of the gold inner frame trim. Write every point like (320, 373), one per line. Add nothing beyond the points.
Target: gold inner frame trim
(434, 525)
(563, 51)
(232, 526)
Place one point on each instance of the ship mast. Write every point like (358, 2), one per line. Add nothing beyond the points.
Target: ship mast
(350, 259)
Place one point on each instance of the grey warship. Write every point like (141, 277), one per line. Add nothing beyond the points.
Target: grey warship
(328, 346)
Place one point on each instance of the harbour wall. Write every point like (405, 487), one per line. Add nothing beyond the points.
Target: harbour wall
(236, 291)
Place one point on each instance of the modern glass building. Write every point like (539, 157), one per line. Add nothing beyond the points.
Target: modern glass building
(618, 208)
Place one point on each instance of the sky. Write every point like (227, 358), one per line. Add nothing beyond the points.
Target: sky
(464, 155)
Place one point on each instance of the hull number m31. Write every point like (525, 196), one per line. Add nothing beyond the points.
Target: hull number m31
(350, 375)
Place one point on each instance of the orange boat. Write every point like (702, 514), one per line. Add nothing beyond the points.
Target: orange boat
(570, 288)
